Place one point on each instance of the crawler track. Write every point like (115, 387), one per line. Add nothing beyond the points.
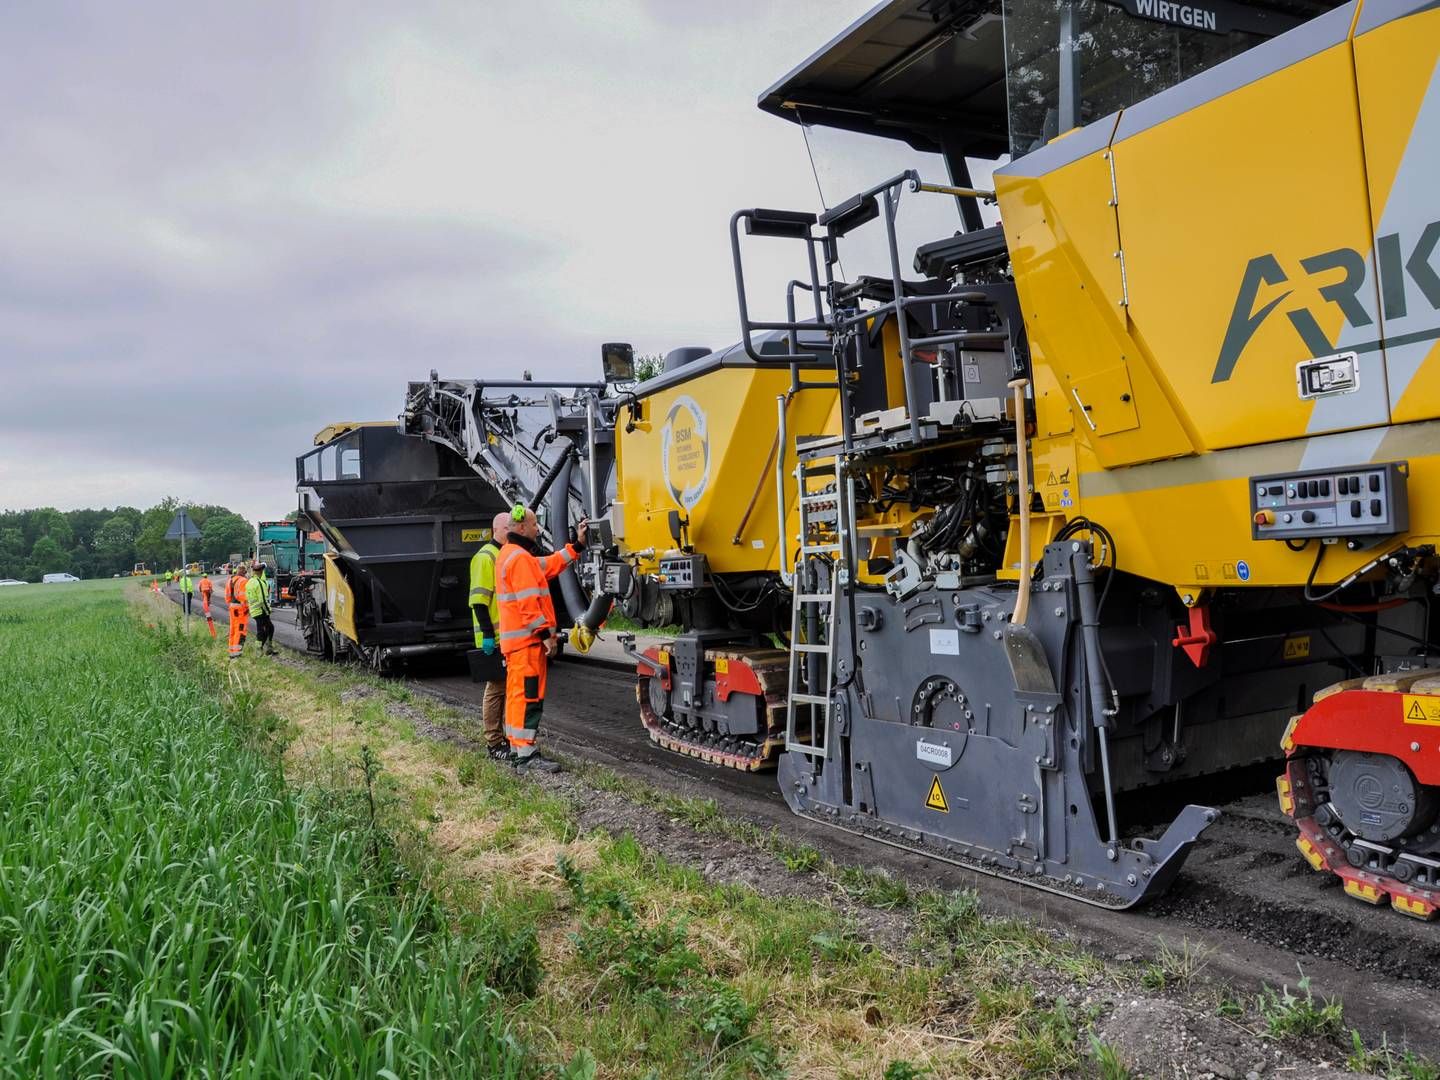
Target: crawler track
(767, 669)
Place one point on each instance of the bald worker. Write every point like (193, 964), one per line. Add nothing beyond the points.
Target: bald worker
(485, 615)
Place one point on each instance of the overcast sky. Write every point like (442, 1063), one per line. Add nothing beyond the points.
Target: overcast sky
(226, 225)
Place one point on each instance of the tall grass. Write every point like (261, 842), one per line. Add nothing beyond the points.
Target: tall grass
(168, 908)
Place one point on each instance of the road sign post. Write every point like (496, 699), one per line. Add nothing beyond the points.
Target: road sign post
(182, 528)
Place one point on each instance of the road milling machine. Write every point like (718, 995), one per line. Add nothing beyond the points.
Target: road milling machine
(1211, 294)
(1133, 477)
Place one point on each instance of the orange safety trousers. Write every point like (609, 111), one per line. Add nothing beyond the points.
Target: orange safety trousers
(237, 630)
(524, 696)
(239, 612)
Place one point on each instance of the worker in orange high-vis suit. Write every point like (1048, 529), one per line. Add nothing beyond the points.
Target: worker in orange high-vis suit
(236, 610)
(242, 594)
(206, 587)
(528, 630)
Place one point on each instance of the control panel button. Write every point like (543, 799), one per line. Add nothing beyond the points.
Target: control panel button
(1375, 507)
(1375, 483)
(1324, 487)
(1354, 508)
(1308, 516)
(1265, 517)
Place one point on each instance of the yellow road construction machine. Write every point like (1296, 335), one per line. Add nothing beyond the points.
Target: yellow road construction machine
(1212, 296)
(1130, 476)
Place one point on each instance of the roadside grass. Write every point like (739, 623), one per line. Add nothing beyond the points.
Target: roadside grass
(611, 958)
(170, 907)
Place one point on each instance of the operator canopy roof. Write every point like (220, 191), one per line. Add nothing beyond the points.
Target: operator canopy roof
(933, 73)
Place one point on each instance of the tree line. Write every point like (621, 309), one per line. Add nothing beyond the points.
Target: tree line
(100, 543)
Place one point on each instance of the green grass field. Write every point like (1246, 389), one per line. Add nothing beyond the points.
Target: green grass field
(168, 907)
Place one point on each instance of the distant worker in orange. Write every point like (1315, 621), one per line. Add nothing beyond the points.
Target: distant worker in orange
(528, 630)
(242, 593)
(206, 587)
(235, 609)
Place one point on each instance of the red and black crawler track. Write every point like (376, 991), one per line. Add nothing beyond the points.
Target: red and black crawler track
(1384, 719)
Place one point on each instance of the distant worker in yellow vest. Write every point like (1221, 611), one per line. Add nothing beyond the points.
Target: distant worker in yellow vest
(187, 591)
(257, 599)
(529, 633)
(485, 615)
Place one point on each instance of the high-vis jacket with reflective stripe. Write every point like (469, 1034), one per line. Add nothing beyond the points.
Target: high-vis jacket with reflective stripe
(257, 595)
(482, 585)
(522, 589)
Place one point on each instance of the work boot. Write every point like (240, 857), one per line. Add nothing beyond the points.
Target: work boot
(536, 763)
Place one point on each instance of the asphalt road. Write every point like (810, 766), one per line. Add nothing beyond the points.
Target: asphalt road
(1259, 930)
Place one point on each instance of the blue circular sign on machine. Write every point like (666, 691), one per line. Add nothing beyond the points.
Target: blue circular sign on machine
(1243, 569)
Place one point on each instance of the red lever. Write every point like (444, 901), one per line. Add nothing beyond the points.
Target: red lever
(1196, 641)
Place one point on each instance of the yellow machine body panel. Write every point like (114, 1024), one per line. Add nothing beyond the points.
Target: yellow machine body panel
(339, 599)
(705, 447)
(1249, 209)
(1397, 69)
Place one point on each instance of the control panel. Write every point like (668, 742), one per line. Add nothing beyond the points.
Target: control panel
(681, 572)
(1362, 500)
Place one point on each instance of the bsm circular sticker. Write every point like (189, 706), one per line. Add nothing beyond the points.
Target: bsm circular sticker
(685, 452)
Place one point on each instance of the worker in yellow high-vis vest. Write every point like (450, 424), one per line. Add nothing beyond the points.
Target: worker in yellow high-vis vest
(485, 616)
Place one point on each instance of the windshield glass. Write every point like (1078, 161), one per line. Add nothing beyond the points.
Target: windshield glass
(846, 163)
(1116, 58)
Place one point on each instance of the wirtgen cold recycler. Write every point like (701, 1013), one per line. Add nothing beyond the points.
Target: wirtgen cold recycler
(1100, 496)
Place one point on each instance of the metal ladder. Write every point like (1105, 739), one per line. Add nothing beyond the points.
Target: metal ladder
(822, 532)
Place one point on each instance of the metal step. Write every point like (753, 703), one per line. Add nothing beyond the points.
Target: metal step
(811, 699)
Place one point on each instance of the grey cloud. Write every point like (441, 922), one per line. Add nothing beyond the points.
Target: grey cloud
(198, 272)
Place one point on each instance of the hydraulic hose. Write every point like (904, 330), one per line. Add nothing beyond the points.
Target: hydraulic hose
(564, 460)
(1022, 466)
(559, 506)
(1094, 671)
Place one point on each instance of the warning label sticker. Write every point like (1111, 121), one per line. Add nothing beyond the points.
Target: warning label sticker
(1297, 648)
(936, 799)
(1420, 709)
(474, 536)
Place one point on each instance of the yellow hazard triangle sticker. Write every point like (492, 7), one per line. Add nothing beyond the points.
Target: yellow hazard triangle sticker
(1421, 709)
(936, 799)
